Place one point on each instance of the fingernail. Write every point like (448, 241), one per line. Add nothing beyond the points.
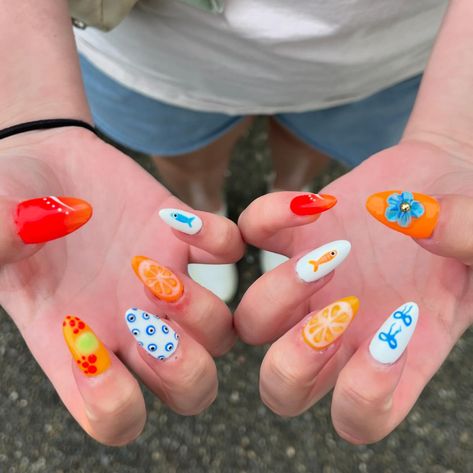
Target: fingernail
(156, 337)
(312, 204)
(161, 281)
(328, 324)
(410, 213)
(181, 220)
(392, 338)
(48, 218)
(88, 351)
(321, 261)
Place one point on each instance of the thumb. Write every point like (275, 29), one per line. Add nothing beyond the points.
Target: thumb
(453, 234)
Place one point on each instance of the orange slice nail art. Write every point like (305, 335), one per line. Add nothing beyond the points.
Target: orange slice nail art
(161, 281)
(90, 354)
(328, 324)
(413, 214)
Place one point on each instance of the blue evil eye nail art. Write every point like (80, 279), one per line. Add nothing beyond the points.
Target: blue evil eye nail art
(156, 337)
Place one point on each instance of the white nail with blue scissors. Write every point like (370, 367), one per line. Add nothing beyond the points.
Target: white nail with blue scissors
(181, 220)
(392, 338)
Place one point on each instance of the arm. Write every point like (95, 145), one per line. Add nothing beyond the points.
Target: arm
(443, 113)
(40, 71)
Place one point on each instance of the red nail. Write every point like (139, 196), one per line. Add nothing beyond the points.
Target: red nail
(311, 204)
(48, 218)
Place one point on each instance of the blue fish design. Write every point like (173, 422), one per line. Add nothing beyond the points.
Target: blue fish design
(183, 219)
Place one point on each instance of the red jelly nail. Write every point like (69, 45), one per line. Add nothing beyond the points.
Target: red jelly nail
(311, 204)
(48, 218)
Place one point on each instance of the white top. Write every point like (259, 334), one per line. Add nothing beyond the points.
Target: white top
(266, 56)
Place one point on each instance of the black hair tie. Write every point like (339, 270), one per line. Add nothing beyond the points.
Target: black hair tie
(44, 125)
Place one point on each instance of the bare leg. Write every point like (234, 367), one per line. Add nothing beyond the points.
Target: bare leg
(295, 163)
(197, 178)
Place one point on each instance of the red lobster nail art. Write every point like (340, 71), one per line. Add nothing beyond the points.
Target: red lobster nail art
(48, 218)
(312, 204)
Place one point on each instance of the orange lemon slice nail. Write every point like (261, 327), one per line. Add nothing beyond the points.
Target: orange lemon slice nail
(161, 281)
(88, 351)
(328, 324)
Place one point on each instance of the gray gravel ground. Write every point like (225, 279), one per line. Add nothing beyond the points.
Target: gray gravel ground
(238, 433)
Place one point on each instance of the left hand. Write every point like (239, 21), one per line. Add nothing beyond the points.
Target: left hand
(384, 270)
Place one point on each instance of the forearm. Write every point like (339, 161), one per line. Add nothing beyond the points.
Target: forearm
(40, 76)
(444, 108)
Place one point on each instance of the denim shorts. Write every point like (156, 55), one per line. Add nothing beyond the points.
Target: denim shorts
(349, 133)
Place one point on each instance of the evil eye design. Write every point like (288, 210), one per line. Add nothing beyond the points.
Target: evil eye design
(145, 316)
(165, 329)
(131, 318)
(169, 346)
(135, 332)
(176, 336)
(150, 330)
(152, 347)
(141, 343)
(161, 357)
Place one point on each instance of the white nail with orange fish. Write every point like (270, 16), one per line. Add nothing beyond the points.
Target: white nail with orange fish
(323, 260)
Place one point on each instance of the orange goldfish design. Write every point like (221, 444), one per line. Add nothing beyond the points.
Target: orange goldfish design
(325, 258)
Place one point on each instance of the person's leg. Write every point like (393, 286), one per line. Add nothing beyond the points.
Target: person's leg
(197, 178)
(295, 163)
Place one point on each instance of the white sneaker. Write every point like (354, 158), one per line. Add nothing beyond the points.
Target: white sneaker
(269, 260)
(221, 279)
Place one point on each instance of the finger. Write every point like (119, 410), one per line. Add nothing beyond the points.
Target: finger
(111, 407)
(201, 313)
(29, 223)
(369, 400)
(453, 233)
(173, 365)
(267, 222)
(289, 382)
(280, 298)
(212, 238)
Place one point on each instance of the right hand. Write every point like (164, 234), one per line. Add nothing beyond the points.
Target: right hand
(88, 274)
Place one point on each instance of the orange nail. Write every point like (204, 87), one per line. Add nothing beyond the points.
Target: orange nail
(88, 351)
(410, 213)
(328, 324)
(161, 281)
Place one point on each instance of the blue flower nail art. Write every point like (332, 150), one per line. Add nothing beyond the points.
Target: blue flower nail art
(402, 208)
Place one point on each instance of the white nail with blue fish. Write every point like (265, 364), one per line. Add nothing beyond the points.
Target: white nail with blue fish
(155, 336)
(181, 220)
(392, 338)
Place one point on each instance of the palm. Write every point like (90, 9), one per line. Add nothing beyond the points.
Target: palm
(386, 268)
(88, 273)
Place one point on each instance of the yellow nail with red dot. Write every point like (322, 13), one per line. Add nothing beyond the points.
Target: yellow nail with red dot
(87, 350)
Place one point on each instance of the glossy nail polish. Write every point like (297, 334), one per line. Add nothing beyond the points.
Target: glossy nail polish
(392, 338)
(328, 324)
(181, 220)
(47, 218)
(312, 204)
(161, 281)
(410, 213)
(90, 354)
(323, 260)
(154, 335)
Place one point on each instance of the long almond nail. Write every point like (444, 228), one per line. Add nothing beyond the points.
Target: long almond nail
(410, 213)
(323, 260)
(312, 204)
(90, 354)
(181, 220)
(161, 281)
(48, 218)
(392, 338)
(155, 336)
(328, 324)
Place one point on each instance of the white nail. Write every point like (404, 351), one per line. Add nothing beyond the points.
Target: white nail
(321, 261)
(392, 338)
(156, 337)
(181, 220)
